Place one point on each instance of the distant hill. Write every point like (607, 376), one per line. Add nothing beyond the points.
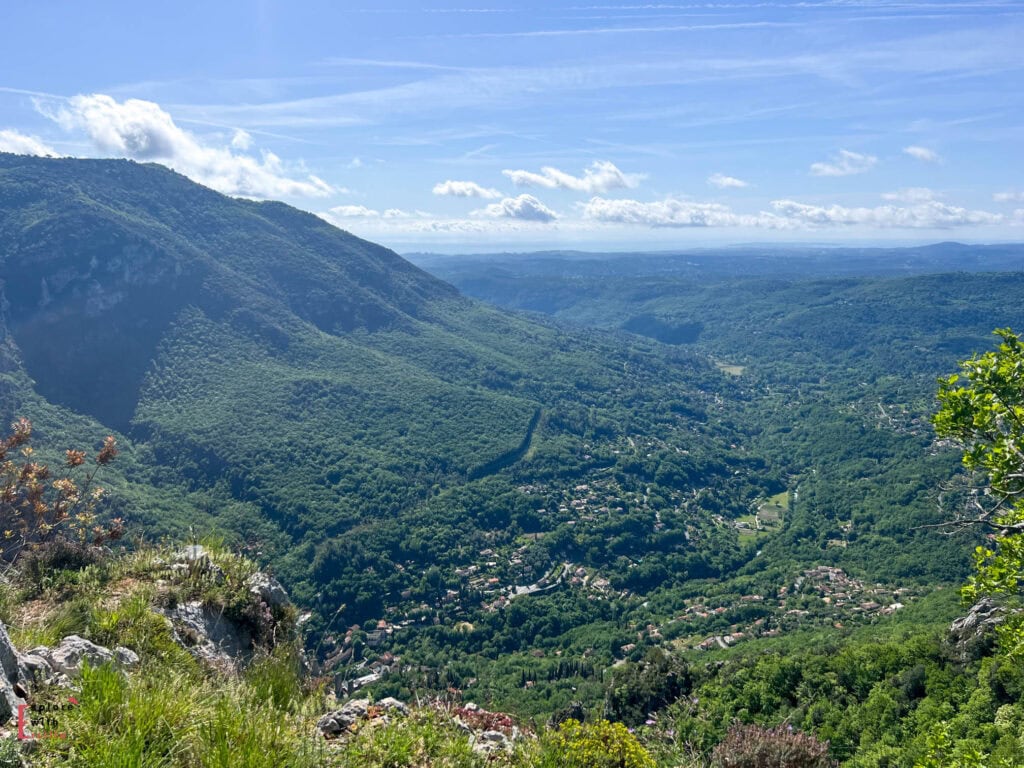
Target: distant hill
(702, 264)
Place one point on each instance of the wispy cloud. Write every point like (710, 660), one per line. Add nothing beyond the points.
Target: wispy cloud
(362, 212)
(666, 213)
(912, 195)
(844, 163)
(785, 215)
(601, 176)
(142, 130)
(634, 30)
(922, 153)
(465, 189)
(722, 181)
(345, 61)
(926, 215)
(1010, 196)
(22, 144)
(523, 207)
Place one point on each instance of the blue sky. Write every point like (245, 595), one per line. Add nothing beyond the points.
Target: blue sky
(566, 124)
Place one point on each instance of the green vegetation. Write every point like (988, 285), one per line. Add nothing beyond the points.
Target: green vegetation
(473, 505)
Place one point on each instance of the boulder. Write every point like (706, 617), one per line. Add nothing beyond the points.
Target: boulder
(268, 589)
(341, 720)
(73, 651)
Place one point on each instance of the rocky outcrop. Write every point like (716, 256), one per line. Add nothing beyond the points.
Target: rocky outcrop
(12, 679)
(487, 732)
(973, 635)
(211, 636)
(42, 665)
(354, 713)
(224, 641)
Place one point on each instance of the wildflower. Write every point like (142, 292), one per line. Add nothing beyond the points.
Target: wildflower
(74, 458)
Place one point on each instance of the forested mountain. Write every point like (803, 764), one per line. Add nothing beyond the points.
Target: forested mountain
(479, 500)
(317, 397)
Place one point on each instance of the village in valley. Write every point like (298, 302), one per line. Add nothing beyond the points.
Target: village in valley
(501, 574)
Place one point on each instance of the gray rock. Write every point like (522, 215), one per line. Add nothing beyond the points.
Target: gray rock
(268, 589)
(489, 742)
(341, 720)
(391, 704)
(210, 636)
(11, 676)
(125, 658)
(35, 668)
(974, 634)
(67, 658)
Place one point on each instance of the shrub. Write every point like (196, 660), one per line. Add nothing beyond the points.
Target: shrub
(594, 745)
(36, 507)
(751, 746)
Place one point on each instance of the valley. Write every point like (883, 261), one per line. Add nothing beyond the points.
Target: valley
(498, 504)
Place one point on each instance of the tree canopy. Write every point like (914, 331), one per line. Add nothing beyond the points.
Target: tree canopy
(983, 408)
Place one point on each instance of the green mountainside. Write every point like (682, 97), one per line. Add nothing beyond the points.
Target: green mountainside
(682, 495)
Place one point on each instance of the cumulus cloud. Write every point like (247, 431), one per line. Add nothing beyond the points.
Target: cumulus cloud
(926, 215)
(20, 144)
(241, 140)
(844, 163)
(601, 176)
(465, 189)
(143, 131)
(523, 208)
(922, 153)
(722, 181)
(669, 213)
(1011, 196)
(911, 195)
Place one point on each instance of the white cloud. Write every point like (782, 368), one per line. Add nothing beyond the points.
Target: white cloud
(465, 189)
(787, 215)
(912, 195)
(926, 215)
(143, 131)
(1011, 196)
(845, 163)
(722, 181)
(599, 177)
(353, 212)
(922, 153)
(20, 144)
(669, 213)
(241, 140)
(523, 207)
